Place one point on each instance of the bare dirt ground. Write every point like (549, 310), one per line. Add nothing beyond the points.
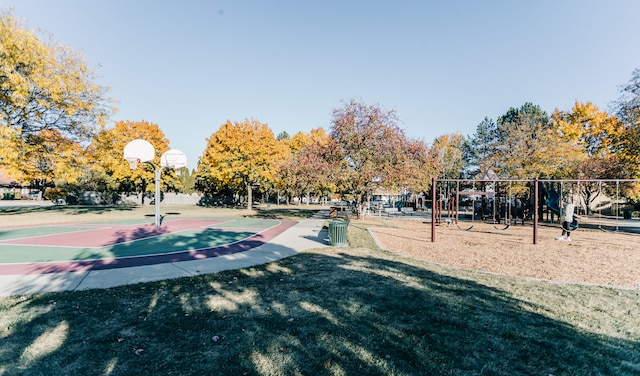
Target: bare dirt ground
(592, 257)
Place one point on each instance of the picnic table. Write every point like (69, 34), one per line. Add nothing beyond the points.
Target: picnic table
(336, 210)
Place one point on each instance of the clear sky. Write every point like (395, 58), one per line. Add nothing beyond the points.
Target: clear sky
(189, 66)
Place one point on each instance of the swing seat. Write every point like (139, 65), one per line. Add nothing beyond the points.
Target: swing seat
(571, 226)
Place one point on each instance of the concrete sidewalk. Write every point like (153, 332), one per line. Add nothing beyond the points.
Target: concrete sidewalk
(306, 234)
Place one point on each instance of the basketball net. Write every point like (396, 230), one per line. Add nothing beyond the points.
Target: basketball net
(133, 163)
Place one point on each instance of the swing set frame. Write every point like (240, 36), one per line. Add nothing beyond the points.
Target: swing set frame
(453, 211)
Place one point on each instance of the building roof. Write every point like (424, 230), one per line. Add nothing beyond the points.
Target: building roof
(490, 175)
(6, 181)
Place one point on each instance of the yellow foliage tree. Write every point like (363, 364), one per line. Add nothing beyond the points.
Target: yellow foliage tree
(448, 154)
(240, 156)
(112, 171)
(597, 132)
(298, 141)
(44, 159)
(49, 106)
(47, 86)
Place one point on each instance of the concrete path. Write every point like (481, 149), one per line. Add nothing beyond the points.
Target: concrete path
(306, 234)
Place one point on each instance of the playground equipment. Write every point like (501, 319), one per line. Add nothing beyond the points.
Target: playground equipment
(494, 204)
(616, 209)
(141, 151)
(550, 194)
(554, 197)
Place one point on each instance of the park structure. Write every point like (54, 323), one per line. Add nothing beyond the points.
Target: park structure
(504, 202)
(141, 151)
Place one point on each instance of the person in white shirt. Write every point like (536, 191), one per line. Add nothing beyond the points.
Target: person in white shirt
(568, 221)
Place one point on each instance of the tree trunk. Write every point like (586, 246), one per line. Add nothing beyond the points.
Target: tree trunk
(249, 196)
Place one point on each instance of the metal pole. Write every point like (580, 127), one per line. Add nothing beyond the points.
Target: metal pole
(457, 201)
(157, 217)
(433, 210)
(535, 211)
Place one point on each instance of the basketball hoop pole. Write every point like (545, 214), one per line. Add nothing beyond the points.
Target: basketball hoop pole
(158, 171)
(139, 150)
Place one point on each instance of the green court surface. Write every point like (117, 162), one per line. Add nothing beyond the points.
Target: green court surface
(29, 232)
(190, 240)
(127, 238)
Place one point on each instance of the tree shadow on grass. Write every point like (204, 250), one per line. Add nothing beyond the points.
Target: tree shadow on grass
(341, 312)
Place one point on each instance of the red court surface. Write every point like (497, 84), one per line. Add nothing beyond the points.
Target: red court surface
(98, 246)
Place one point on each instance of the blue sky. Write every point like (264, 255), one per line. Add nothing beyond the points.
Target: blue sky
(189, 66)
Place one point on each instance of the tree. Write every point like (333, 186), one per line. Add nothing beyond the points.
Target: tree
(241, 156)
(605, 167)
(595, 131)
(111, 172)
(628, 104)
(481, 147)
(187, 179)
(419, 167)
(627, 108)
(448, 153)
(527, 146)
(303, 169)
(45, 160)
(596, 138)
(368, 150)
(307, 171)
(47, 94)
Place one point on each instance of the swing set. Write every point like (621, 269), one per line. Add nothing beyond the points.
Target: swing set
(494, 204)
(499, 205)
(556, 201)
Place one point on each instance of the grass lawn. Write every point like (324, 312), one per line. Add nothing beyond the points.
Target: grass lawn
(354, 310)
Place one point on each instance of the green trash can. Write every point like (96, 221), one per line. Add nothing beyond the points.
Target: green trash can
(338, 232)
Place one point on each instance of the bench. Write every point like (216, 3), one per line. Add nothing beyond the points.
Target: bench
(408, 210)
(391, 211)
(336, 210)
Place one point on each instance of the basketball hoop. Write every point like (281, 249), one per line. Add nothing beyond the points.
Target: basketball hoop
(173, 159)
(133, 163)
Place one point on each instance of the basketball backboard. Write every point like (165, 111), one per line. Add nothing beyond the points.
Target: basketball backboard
(138, 151)
(173, 159)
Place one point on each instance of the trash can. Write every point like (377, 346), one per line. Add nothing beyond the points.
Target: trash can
(626, 213)
(338, 232)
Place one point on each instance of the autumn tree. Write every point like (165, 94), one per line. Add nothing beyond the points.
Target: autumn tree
(627, 108)
(241, 156)
(48, 159)
(596, 139)
(448, 154)
(527, 146)
(111, 173)
(49, 104)
(595, 131)
(419, 167)
(371, 149)
(304, 169)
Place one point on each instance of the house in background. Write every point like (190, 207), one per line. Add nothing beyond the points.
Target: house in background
(384, 198)
(8, 187)
(12, 190)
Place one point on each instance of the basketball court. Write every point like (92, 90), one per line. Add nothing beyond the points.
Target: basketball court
(77, 247)
(78, 256)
